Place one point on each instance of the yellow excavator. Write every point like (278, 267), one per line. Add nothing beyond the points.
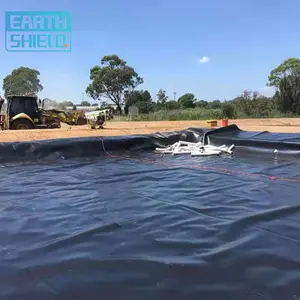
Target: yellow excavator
(70, 118)
(23, 112)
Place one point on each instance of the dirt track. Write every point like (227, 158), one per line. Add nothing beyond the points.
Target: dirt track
(115, 128)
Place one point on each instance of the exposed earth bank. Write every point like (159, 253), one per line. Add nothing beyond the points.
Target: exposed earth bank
(117, 128)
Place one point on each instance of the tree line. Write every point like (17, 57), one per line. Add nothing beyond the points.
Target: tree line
(114, 81)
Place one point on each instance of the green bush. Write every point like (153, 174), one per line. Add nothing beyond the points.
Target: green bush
(228, 111)
(178, 114)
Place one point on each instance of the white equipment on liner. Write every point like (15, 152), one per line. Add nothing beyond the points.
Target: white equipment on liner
(195, 149)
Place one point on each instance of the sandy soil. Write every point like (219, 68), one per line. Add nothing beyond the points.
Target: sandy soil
(115, 128)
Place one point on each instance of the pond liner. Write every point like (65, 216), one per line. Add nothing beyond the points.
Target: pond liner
(140, 225)
(259, 140)
(286, 143)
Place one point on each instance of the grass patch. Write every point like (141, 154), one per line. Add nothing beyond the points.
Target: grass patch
(176, 115)
(199, 114)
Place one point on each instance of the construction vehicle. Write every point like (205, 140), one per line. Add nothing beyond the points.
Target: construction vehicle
(96, 118)
(108, 113)
(75, 117)
(23, 112)
(78, 117)
(70, 117)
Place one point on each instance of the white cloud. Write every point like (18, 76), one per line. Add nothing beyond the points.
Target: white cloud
(204, 60)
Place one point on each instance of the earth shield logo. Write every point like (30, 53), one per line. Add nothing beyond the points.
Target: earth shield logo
(38, 31)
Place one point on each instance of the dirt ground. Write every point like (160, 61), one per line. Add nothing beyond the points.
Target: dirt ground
(115, 128)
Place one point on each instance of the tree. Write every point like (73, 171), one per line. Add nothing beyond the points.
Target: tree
(142, 99)
(104, 105)
(243, 102)
(286, 68)
(147, 96)
(171, 105)
(253, 104)
(288, 96)
(85, 103)
(135, 97)
(215, 104)
(112, 80)
(228, 111)
(162, 98)
(201, 103)
(67, 103)
(22, 81)
(187, 100)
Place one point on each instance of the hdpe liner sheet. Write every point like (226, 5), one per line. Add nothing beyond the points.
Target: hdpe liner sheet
(107, 218)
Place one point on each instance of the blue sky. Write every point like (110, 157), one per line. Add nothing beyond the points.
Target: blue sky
(164, 41)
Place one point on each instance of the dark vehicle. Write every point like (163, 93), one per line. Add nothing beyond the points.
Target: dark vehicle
(23, 112)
